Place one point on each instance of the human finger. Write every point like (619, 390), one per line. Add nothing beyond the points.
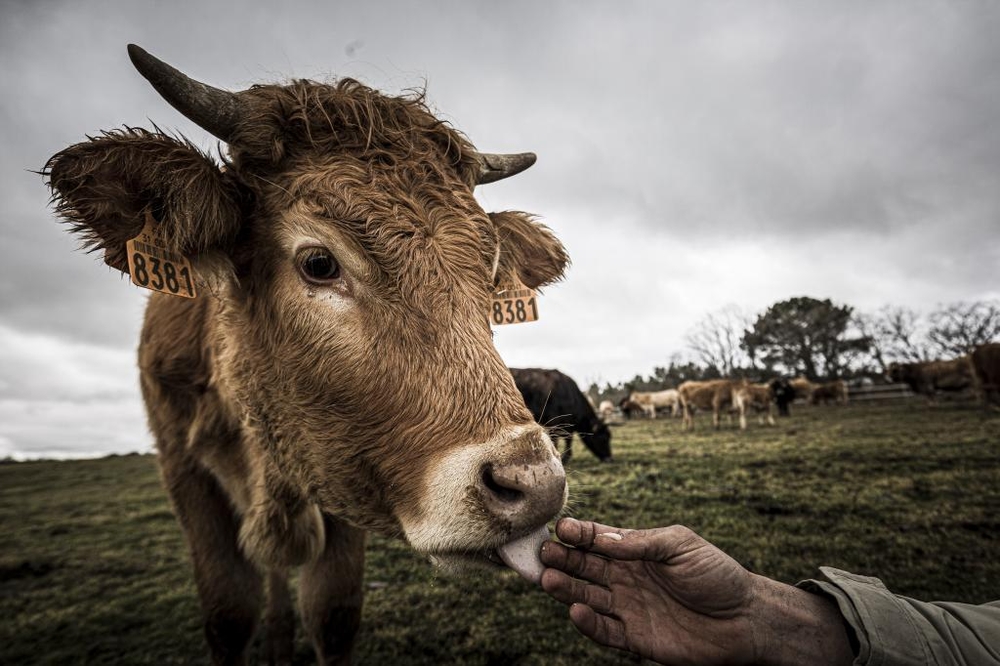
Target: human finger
(581, 533)
(568, 590)
(599, 628)
(658, 544)
(577, 563)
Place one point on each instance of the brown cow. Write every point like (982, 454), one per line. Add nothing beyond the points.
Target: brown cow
(827, 392)
(929, 377)
(715, 395)
(651, 401)
(756, 397)
(630, 409)
(336, 374)
(985, 360)
(803, 388)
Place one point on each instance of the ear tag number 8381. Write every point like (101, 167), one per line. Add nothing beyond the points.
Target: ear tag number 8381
(514, 304)
(154, 267)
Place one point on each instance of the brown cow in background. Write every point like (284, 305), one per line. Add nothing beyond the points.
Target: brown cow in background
(756, 397)
(630, 409)
(652, 401)
(715, 395)
(929, 377)
(985, 362)
(827, 392)
(803, 388)
(336, 372)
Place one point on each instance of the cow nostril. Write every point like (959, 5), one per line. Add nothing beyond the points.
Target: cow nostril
(502, 492)
(522, 493)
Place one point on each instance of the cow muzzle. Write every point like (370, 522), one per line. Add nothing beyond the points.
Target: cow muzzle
(491, 501)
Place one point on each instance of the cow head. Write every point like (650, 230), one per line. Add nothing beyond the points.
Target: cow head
(598, 441)
(896, 372)
(353, 269)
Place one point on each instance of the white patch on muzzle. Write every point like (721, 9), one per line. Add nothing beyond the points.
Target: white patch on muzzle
(449, 520)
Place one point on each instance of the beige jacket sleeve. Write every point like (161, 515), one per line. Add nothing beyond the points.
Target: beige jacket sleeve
(892, 630)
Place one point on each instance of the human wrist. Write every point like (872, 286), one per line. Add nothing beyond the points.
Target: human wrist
(793, 626)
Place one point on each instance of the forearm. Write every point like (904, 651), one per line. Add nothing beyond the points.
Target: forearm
(897, 631)
(792, 626)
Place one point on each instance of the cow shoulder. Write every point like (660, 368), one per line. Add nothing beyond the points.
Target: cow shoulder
(190, 413)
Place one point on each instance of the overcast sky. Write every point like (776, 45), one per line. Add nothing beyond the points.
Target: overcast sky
(690, 156)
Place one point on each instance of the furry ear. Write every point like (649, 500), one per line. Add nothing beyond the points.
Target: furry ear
(528, 250)
(103, 187)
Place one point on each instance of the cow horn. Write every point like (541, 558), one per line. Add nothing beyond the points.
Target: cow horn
(494, 167)
(214, 110)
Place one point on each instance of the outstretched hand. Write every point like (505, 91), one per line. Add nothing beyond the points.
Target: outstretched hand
(669, 595)
(666, 593)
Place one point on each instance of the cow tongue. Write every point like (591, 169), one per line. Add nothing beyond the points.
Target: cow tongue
(522, 554)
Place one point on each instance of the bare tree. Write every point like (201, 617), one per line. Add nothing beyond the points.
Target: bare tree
(896, 333)
(715, 339)
(957, 328)
(867, 325)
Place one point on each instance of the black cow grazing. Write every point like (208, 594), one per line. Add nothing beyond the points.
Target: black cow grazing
(784, 394)
(558, 404)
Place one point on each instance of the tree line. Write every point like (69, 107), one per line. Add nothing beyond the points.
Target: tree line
(818, 339)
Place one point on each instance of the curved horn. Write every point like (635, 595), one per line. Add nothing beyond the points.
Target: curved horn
(218, 111)
(497, 167)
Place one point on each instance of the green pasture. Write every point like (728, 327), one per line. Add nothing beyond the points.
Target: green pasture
(93, 568)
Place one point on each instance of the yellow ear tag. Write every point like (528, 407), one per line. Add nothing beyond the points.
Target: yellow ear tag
(514, 303)
(154, 267)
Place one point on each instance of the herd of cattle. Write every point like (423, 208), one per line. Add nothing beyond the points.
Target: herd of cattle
(556, 401)
(738, 396)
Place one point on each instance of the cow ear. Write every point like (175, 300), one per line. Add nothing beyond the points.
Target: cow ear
(528, 250)
(104, 187)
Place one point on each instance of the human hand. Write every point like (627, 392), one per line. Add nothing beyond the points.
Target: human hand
(665, 594)
(669, 595)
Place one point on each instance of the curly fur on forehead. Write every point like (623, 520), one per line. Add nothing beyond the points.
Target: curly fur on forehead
(346, 118)
(428, 232)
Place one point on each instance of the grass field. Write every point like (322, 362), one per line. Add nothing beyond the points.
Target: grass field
(93, 568)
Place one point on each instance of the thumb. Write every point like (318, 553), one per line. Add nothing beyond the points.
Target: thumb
(658, 544)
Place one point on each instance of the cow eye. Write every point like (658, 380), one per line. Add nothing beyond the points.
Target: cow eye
(317, 265)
